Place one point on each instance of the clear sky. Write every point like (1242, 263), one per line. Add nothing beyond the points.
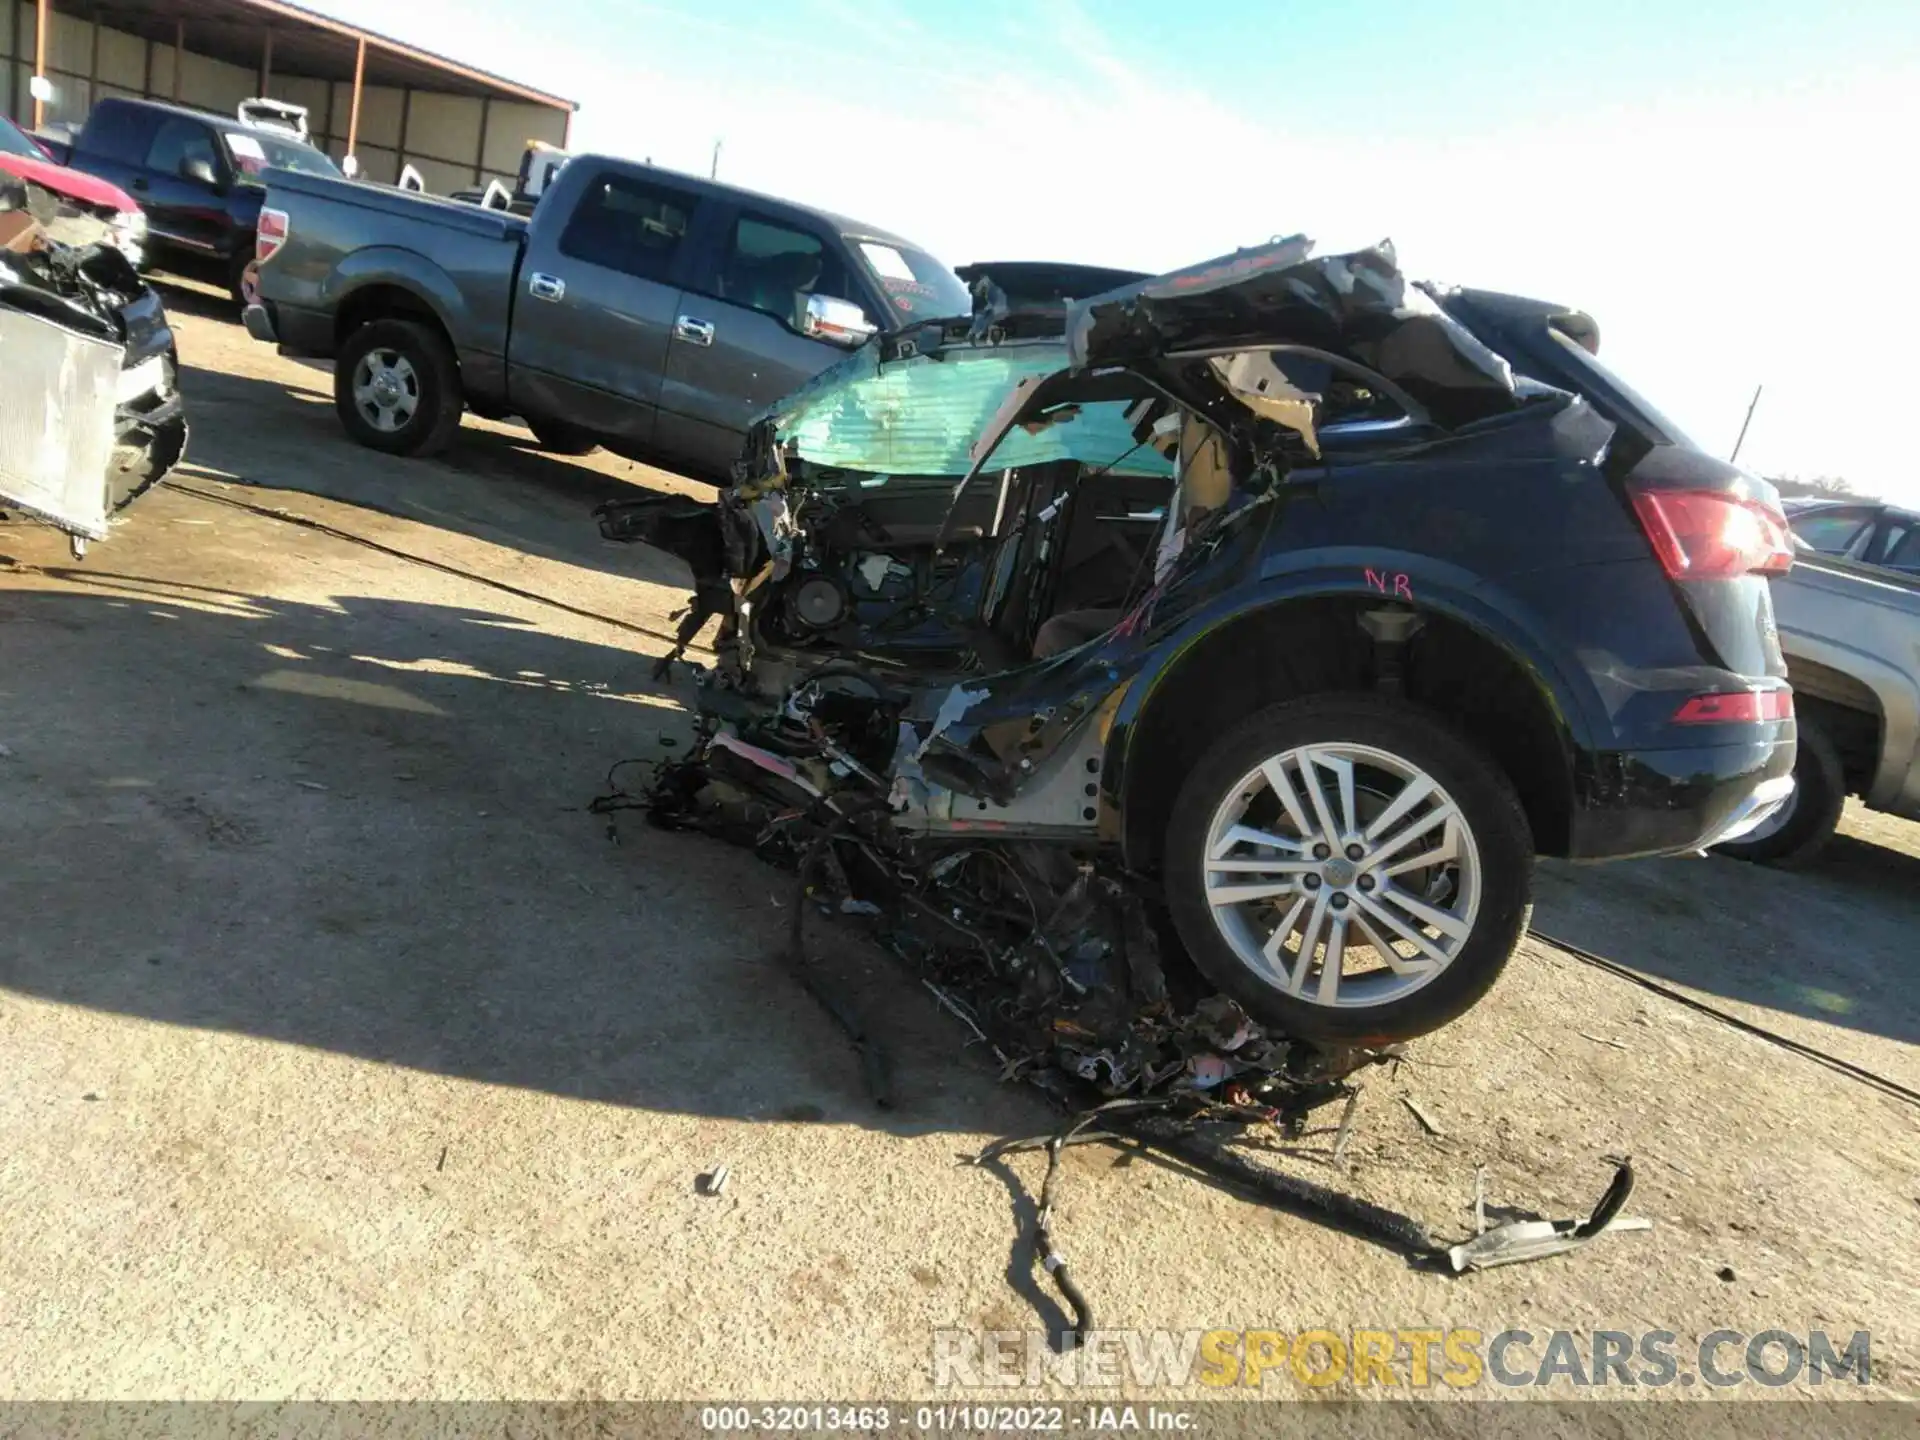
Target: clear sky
(1729, 186)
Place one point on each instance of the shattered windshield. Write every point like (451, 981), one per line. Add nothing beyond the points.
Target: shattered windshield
(919, 286)
(921, 417)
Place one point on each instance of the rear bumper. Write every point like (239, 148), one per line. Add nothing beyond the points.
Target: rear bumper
(260, 325)
(1664, 802)
(295, 331)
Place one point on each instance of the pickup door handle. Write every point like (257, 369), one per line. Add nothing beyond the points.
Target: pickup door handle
(546, 287)
(694, 332)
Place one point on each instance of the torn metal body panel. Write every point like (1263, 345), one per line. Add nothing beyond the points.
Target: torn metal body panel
(90, 415)
(1261, 608)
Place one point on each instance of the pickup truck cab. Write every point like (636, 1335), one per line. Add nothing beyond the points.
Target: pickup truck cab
(197, 176)
(652, 312)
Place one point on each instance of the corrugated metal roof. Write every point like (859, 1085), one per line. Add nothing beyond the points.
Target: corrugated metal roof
(305, 42)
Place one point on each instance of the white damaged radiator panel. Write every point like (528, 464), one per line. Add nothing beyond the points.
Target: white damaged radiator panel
(57, 396)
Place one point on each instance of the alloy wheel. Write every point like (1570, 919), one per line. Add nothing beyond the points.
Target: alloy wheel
(1342, 875)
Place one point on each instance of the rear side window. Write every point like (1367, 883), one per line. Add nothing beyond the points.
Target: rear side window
(629, 225)
(178, 141)
(773, 268)
(118, 132)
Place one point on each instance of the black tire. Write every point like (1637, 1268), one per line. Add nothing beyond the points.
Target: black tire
(1811, 814)
(1487, 805)
(430, 427)
(237, 283)
(560, 438)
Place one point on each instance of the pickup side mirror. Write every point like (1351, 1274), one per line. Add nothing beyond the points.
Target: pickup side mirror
(200, 170)
(838, 322)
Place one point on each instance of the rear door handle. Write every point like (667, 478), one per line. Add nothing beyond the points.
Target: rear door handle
(694, 332)
(546, 287)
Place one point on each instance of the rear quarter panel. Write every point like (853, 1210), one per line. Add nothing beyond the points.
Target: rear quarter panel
(1514, 530)
(1517, 533)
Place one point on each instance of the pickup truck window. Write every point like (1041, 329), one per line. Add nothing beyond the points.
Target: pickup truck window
(772, 268)
(920, 287)
(180, 140)
(1832, 532)
(1900, 545)
(117, 132)
(629, 225)
(252, 153)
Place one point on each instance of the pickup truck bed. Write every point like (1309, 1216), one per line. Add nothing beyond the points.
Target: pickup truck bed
(370, 251)
(655, 313)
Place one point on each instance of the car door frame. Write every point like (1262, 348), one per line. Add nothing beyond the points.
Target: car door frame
(210, 201)
(624, 421)
(689, 437)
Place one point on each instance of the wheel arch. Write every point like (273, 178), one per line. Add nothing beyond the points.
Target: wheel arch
(1468, 661)
(384, 283)
(1840, 678)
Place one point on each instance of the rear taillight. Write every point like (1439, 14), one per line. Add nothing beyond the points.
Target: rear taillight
(271, 234)
(1710, 535)
(1736, 707)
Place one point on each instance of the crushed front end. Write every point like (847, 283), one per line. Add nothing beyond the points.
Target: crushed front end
(938, 570)
(90, 411)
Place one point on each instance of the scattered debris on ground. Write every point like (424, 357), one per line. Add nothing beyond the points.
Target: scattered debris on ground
(1522, 1240)
(1055, 966)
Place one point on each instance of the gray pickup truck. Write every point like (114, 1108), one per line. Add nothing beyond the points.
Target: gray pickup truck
(655, 313)
(1851, 635)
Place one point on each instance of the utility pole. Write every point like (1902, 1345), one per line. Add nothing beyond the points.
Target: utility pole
(713, 170)
(1745, 423)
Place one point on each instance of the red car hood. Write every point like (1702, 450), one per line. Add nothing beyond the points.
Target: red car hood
(88, 189)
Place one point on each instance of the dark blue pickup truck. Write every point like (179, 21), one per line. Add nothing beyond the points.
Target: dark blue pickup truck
(197, 175)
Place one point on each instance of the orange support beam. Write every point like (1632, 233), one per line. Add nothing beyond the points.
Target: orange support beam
(353, 115)
(39, 62)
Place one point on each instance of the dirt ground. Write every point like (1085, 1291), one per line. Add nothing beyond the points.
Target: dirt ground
(343, 1054)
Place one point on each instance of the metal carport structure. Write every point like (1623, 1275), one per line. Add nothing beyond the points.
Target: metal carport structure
(385, 101)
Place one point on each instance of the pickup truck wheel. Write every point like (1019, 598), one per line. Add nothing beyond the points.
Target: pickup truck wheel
(560, 438)
(397, 388)
(1349, 869)
(243, 279)
(1799, 830)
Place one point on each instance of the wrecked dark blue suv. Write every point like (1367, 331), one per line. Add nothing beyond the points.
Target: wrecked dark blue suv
(1280, 611)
